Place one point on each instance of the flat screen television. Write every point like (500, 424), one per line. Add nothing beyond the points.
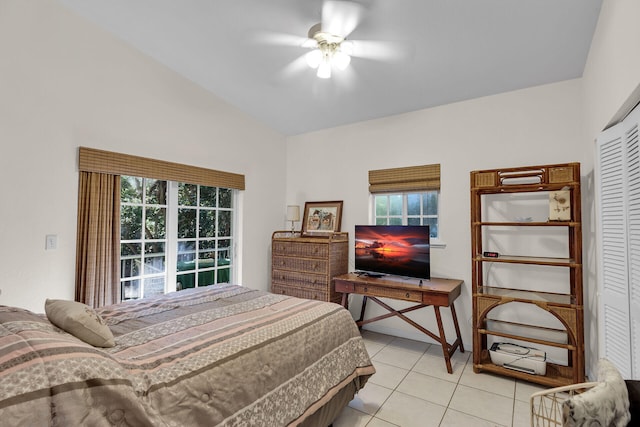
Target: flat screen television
(399, 250)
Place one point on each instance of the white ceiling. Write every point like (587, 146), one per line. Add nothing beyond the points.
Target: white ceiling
(451, 50)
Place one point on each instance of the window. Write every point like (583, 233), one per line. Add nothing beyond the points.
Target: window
(173, 236)
(150, 257)
(406, 196)
(410, 208)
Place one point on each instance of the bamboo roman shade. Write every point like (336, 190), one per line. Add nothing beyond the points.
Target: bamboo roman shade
(92, 160)
(412, 178)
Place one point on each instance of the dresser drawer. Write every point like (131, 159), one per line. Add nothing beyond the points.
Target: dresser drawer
(301, 250)
(318, 266)
(294, 278)
(385, 292)
(297, 292)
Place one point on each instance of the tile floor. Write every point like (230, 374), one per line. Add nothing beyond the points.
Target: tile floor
(412, 388)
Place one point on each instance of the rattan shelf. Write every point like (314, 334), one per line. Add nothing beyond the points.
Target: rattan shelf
(513, 184)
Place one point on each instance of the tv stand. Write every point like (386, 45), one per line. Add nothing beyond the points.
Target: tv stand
(435, 292)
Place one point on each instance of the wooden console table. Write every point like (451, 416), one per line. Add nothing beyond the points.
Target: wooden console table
(435, 292)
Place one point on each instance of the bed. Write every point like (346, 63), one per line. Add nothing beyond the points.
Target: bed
(222, 355)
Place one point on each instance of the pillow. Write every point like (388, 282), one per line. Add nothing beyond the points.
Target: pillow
(606, 404)
(79, 320)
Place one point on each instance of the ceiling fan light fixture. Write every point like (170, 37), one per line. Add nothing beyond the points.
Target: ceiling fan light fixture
(328, 51)
(341, 60)
(314, 58)
(324, 69)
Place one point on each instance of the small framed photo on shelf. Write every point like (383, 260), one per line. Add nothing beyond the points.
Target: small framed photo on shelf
(321, 218)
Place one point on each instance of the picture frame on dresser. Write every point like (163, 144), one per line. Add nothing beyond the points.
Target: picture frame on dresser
(321, 218)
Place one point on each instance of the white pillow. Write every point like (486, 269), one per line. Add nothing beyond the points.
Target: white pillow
(606, 404)
(79, 320)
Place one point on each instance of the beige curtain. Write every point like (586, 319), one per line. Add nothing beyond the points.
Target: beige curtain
(98, 245)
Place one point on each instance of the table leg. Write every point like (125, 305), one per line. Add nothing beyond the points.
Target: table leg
(345, 300)
(364, 305)
(455, 324)
(443, 340)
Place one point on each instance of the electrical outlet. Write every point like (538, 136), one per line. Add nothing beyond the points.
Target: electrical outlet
(51, 242)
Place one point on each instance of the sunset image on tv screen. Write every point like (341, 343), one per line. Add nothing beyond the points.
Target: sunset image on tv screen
(397, 250)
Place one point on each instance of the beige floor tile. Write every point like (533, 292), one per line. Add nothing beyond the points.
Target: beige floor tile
(388, 376)
(525, 389)
(409, 411)
(410, 345)
(435, 366)
(370, 398)
(483, 404)
(377, 337)
(377, 422)
(504, 386)
(413, 388)
(352, 418)
(373, 348)
(458, 419)
(398, 357)
(432, 389)
(521, 414)
(436, 350)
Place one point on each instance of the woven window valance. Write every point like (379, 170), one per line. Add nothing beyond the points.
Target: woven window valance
(93, 160)
(412, 178)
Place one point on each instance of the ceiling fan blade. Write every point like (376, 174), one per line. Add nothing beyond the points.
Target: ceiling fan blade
(340, 17)
(279, 39)
(296, 66)
(381, 50)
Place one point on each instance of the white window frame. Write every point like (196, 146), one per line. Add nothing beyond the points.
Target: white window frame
(435, 242)
(171, 241)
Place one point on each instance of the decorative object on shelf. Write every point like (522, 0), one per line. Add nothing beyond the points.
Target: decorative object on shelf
(321, 218)
(293, 215)
(560, 205)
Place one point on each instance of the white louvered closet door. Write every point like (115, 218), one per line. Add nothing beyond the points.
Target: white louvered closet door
(618, 211)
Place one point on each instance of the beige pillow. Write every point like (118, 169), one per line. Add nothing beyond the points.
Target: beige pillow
(79, 320)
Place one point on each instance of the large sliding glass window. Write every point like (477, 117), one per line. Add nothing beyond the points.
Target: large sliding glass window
(173, 236)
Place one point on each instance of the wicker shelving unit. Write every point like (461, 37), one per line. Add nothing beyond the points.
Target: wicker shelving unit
(566, 307)
(304, 267)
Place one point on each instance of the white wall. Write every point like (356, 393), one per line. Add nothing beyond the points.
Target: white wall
(65, 83)
(539, 125)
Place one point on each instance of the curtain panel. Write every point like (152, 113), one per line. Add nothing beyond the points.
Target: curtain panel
(98, 244)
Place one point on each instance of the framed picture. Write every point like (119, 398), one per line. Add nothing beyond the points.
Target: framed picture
(321, 218)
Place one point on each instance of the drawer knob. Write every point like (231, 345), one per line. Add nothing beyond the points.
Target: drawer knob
(366, 289)
(407, 294)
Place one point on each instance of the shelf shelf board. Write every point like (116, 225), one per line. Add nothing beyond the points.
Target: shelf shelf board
(556, 375)
(515, 259)
(527, 224)
(526, 296)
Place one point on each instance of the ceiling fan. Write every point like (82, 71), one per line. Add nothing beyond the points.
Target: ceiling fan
(329, 48)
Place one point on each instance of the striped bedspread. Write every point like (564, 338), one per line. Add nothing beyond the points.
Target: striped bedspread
(225, 355)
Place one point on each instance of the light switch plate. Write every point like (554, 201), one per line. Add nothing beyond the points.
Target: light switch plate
(51, 242)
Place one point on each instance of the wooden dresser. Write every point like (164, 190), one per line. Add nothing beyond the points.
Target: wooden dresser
(304, 266)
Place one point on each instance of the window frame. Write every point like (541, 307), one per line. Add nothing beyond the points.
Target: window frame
(373, 217)
(171, 240)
